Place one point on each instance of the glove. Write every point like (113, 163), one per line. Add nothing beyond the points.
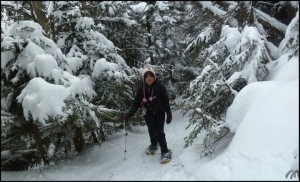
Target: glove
(169, 118)
(143, 104)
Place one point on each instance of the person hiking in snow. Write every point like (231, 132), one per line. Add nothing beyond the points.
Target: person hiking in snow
(152, 97)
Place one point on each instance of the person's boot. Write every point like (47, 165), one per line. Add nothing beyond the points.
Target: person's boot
(151, 150)
(166, 157)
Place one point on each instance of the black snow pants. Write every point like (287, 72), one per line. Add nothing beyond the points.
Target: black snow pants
(155, 125)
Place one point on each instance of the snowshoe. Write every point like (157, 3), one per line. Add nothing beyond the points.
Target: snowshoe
(166, 157)
(151, 150)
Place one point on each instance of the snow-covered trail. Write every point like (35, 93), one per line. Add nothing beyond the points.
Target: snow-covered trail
(107, 161)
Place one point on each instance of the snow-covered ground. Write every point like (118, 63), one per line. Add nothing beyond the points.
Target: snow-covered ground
(107, 161)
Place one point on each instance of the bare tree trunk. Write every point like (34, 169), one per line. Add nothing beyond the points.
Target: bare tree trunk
(40, 15)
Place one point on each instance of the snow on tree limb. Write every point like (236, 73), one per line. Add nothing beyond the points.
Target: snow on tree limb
(272, 21)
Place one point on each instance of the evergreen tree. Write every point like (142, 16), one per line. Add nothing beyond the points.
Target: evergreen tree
(199, 30)
(25, 51)
(16, 10)
(123, 28)
(85, 122)
(162, 20)
(228, 65)
(82, 56)
(96, 55)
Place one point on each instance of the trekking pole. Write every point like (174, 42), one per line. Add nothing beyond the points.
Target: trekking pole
(125, 140)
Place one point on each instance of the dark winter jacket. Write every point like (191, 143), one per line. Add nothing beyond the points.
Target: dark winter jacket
(158, 106)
